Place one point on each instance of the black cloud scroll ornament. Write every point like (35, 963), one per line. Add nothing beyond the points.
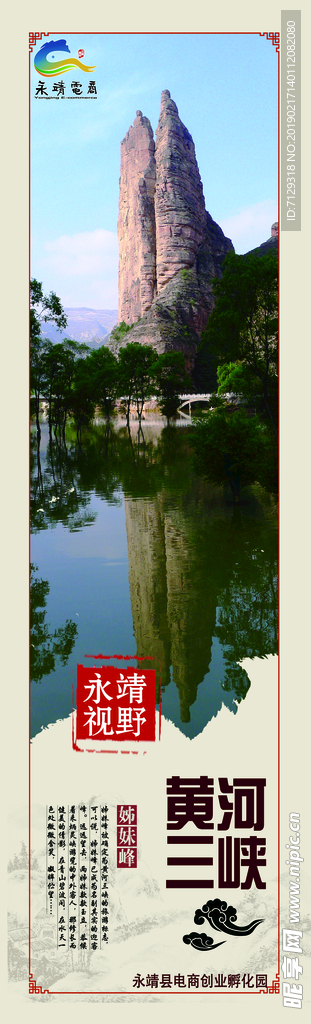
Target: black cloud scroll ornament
(221, 918)
(201, 941)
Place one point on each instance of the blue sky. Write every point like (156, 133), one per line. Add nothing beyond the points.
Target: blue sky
(225, 87)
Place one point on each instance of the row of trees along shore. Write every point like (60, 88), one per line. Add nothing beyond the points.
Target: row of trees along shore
(76, 380)
(233, 444)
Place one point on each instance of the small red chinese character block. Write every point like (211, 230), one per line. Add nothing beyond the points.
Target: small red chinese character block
(127, 857)
(126, 835)
(126, 814)
(114, 705)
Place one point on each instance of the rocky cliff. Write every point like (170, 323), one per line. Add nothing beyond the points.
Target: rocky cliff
(179, 200)
(170, 249)
(136, 221)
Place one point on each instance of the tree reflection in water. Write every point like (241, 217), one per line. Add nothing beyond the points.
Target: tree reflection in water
(46, 647)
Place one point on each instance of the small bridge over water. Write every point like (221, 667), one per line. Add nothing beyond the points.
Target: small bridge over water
(193, 399)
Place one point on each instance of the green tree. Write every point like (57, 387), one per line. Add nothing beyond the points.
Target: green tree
(135, 375)
(118, 332)
(170, 378)
(238, 378)
(43, 308)
(38, 350)
(82, 400)
(230, 448)
(243, 328)
(101, 369)
(60, 369)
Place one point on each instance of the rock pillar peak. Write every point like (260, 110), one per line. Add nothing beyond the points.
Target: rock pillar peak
(136, 221)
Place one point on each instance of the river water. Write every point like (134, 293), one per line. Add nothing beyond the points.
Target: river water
(133, 554)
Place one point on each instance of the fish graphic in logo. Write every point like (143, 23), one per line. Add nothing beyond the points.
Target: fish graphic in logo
(59, 67)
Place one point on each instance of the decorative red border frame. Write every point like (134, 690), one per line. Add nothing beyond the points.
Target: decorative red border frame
(33, 38)
(274, 37)
(274, 988)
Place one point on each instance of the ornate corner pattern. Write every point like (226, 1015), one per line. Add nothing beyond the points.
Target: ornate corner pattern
(275, 39)
(274, 989)
(33, 39)
(35, 989)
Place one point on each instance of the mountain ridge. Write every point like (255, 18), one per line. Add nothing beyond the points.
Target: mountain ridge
(84, 324)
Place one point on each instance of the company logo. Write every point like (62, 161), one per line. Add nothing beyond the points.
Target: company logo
(58, 67)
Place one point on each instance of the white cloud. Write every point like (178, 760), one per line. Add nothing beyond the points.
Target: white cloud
(82, 268)
(89, 252)
(249, 228)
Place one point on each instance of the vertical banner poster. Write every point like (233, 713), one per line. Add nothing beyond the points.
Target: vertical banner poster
(154, 699)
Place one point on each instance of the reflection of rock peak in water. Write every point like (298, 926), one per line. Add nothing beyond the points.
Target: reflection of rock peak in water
(166, 601)
(147, 579)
